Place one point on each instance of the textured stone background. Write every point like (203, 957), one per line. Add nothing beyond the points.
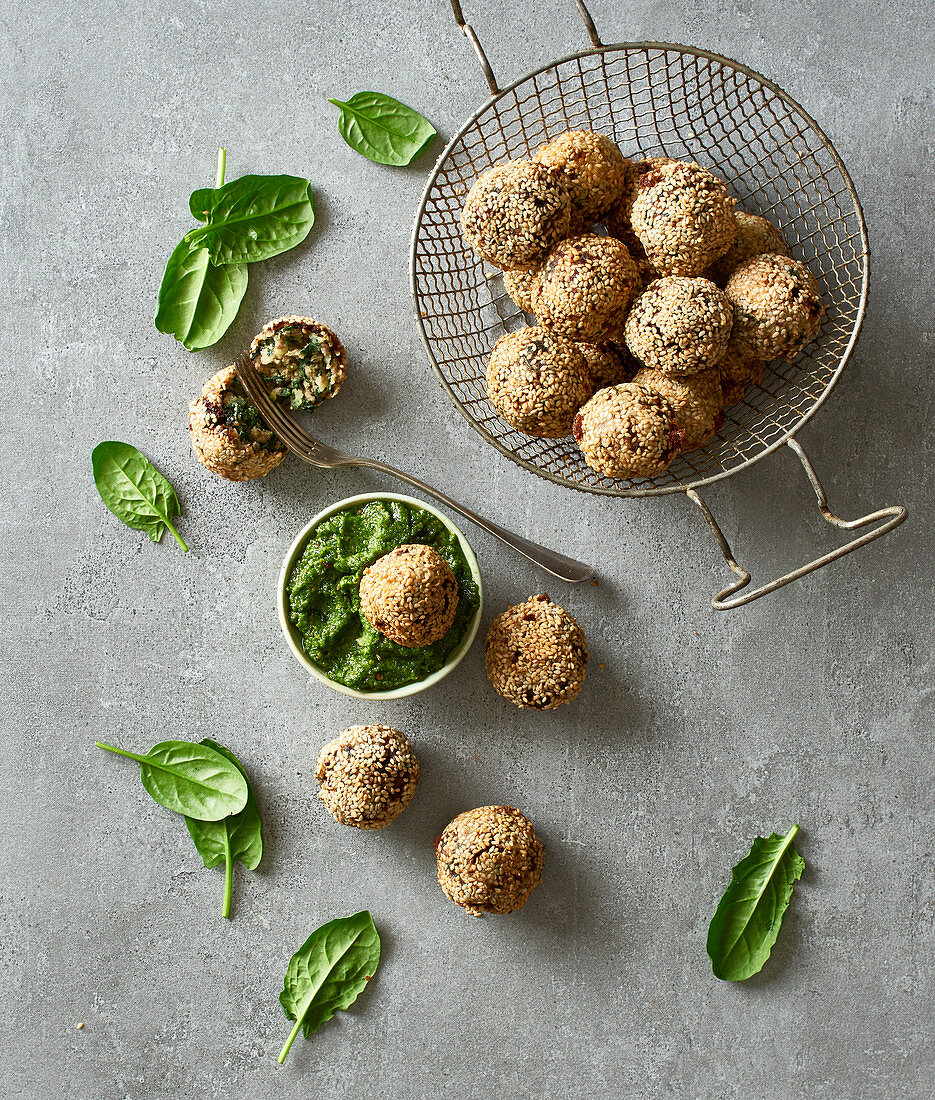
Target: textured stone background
(704, 730)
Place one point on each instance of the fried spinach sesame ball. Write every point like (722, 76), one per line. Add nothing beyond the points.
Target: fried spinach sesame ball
(515, 212)
(609, 363)
(628, 431)
(738, 370)
(586, 286)
(303, 359)
(594, 169)
(489, 860)
(696, 399)
(522, 287)
(777, 306)
(755, 235)
(228, 435)
(367, 776)
(683, 217)
(410, 595)
(679, 324)
(617, 220)
(536, 655)
(537, 381)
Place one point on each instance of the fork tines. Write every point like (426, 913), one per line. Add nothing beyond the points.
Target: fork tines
(277, 419)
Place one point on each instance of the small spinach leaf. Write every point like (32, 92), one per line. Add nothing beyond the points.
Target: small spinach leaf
(198, 300)
(251, 218)
(383, 129)
(328, 972)
(750, 913)
(238, 837)
(134, 490)
(195, 780)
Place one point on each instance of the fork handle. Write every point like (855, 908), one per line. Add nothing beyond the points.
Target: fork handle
(566, 569)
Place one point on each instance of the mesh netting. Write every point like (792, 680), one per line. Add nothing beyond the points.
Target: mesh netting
(653, 100)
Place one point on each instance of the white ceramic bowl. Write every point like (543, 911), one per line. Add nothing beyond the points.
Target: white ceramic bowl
(288, 631)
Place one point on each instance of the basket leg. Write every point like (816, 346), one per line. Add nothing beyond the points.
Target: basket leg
(728, 598)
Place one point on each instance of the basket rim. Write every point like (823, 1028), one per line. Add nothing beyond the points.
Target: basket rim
(698, 483)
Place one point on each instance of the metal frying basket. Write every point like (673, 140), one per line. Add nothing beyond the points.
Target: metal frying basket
(654, 99)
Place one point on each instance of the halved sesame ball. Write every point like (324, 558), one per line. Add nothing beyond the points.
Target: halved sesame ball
(515, 212)
(536, 654)
(679, 325)
(303, 359)
(594, 169)
(628, 431)
(777, 306)
(585, 288)
(489, 860)
(410, 595)
(537, 381)
(227, 433)
(755, 235)
(696, 399)
(367, 776)
(683, 216)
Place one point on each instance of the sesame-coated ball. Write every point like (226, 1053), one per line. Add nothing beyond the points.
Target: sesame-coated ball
(755, 235)
(522, 287)
(586, 286)
(367, 776)
(303, 359)
(739, 370)
(536, 654)
(537, 381)
(628, 431)
(594, 169)
(777, 306)
(489, 860)
(228, 436)
(609, 363)
(410, 595)
(679, 325)
(683, 216)
(515, 212)
(696, 399)
(617, 220)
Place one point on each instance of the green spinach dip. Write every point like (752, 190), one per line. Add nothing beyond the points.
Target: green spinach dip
(323, 601)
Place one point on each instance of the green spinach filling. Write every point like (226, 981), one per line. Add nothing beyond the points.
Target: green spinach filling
(323, 601)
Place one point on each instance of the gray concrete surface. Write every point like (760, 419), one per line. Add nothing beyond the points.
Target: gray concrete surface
(701, 731)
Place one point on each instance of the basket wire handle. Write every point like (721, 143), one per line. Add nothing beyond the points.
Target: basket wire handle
(468, 31)
(727, 599)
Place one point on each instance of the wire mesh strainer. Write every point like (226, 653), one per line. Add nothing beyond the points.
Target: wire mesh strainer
(653, 99)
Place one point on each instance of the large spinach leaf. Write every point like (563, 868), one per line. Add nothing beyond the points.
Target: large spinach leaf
(192, 779)
(252, 218)
(134, 490)
(750, 913)
(198, 299)
(383, 129)
(238, 837)
(328, 972)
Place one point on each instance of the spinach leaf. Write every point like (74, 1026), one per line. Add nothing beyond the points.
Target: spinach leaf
(252, 218)
(198, 300)
(134, 490)
(238, 837)
(750, 913)
(383, 129)
(328, 972)
(195, 780)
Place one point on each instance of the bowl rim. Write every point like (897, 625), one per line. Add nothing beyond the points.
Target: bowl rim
(298, 544)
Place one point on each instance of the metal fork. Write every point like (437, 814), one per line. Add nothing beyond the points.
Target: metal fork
(320, 454)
